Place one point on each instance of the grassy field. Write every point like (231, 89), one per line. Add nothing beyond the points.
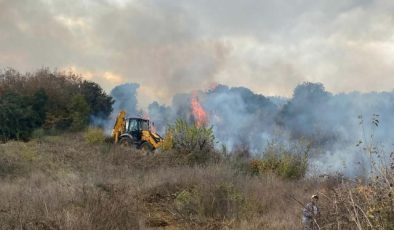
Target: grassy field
(70, 182)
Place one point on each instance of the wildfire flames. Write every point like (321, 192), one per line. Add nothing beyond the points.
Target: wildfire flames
(199, 113)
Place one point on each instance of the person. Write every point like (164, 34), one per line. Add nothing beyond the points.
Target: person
(310, 212)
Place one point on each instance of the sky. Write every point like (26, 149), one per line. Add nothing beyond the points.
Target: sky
(169, 47)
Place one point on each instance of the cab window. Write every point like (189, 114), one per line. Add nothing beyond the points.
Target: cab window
(133, 125)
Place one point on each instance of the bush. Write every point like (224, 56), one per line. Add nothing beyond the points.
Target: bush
(194, 143)
(38, 133)
(94, 136)
(281, 162)
(368, 206)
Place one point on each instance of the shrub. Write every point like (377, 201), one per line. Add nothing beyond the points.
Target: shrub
(281, 162)
(94, 136)
(38, 133)
(195, 143)
(168, 142)
(367, 206)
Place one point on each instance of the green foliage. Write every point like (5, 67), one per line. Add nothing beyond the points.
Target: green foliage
(79, 110)
(17, 119)
(94, 136)
(286, 164)
(39, 101)
(38, 133)
(48, 100)
(190, 137)
(196, 143)
(100, 104)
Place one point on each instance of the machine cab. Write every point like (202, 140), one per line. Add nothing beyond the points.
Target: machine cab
(135, 126)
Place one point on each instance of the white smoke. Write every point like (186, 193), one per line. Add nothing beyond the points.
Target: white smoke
(332, 123)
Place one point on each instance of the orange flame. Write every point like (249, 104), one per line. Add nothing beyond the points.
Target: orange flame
(199, 113)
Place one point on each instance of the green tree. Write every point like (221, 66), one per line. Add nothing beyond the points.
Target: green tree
(79, 112)
(39, 101)
(46, 101)
(99, 102)
(16, 116)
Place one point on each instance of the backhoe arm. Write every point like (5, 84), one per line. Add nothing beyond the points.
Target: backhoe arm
(120, 126)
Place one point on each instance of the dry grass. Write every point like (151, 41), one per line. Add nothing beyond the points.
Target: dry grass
(62, 182)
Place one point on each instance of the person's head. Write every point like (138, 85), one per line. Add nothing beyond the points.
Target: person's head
(314, 198)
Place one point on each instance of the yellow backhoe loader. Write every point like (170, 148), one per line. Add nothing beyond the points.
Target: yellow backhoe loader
(136, 132)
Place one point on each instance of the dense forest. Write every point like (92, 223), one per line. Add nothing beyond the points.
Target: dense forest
(48, 101)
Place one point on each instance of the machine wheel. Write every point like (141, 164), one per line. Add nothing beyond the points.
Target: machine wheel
(146, 146)
(126, 142)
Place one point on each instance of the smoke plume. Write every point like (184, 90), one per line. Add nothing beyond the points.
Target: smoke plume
(125, 97)
(332, 123)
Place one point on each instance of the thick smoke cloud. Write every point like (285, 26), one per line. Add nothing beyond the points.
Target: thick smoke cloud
(239, 116)
(332, 123)
(125, 97)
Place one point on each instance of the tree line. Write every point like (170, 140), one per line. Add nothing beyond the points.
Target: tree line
(48, 100)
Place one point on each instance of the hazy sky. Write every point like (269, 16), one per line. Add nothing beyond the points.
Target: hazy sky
(170, 46)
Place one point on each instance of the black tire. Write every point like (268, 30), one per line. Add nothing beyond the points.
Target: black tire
(146, 146)
(126, 142)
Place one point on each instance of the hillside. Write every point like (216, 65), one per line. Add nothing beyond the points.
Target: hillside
(64, 182)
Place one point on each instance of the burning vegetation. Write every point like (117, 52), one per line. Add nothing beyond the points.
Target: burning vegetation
(199, 114)
(206, 174)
